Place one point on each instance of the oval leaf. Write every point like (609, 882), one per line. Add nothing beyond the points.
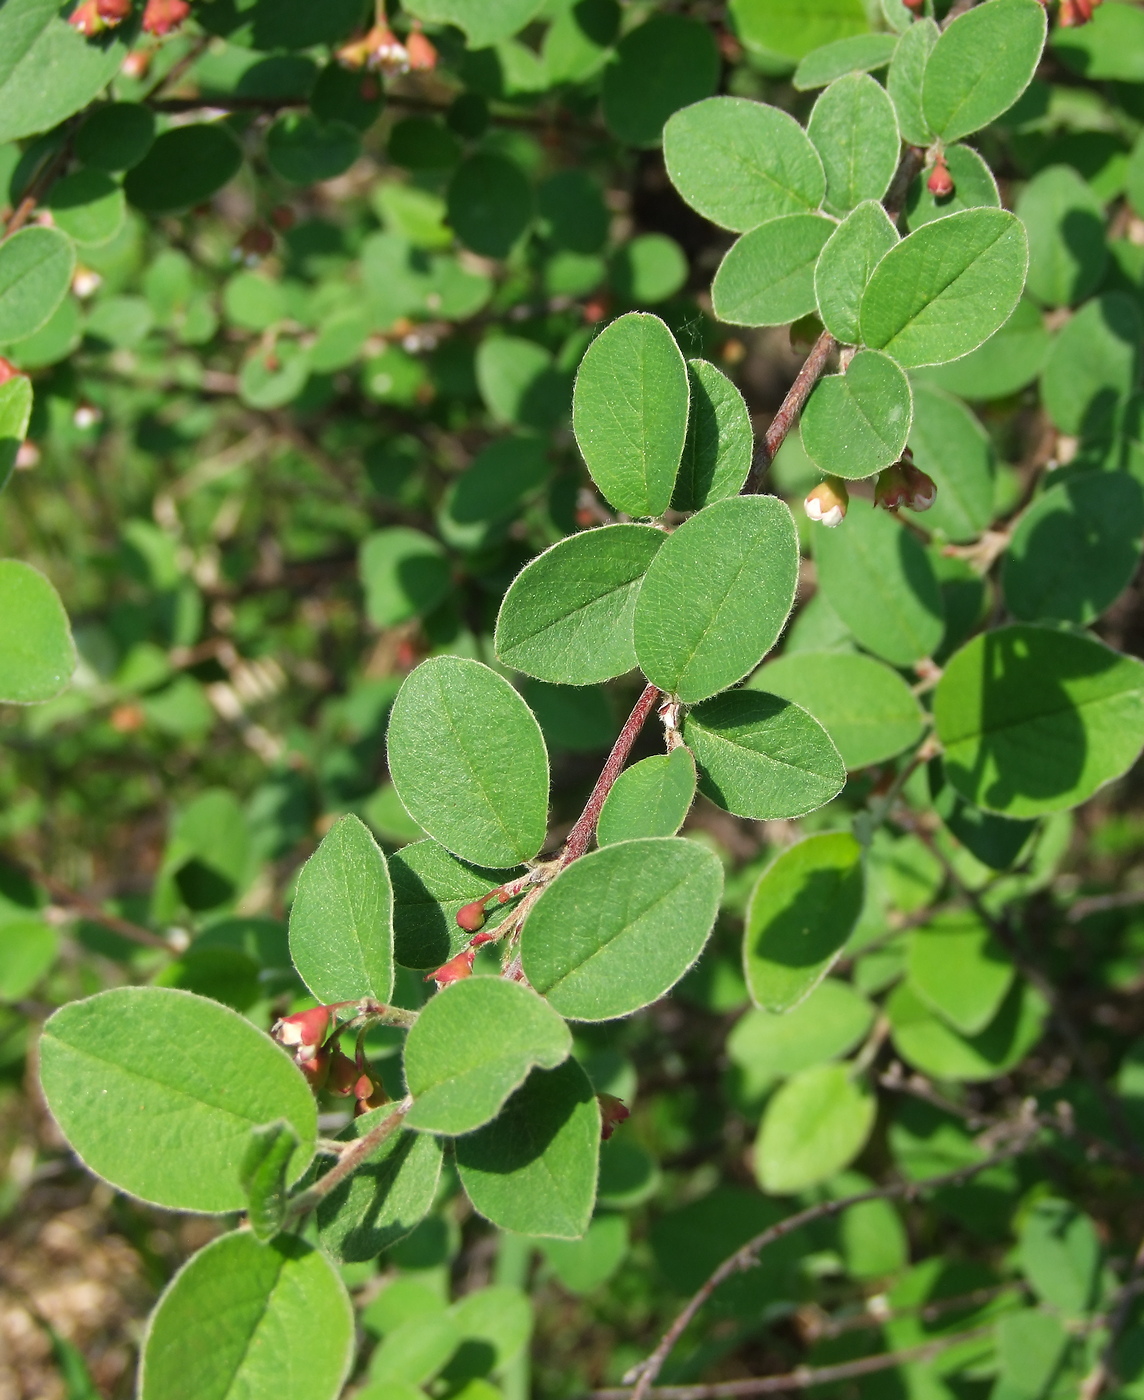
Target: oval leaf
(185, 166)
(629, 412)
(36, 267)
(856, 423)
(737, 565)
(720, 440)
(867, 709)
(37, 654)
(944, 289)
(855, 132)
(959, 970)
(618, 928)
(801, 913)
(651, 798)
(471, 1046)
(157, 1090)
(240, 1316)
(740, 163)
(533, 1169)
(763, 757)
(1035, 721)
(928, 1043)
(767, 277)
(341, 921)
(846, 263)
(567, 617)
(468, 761)
(949, 443)
(981, 64)
(815, 1125)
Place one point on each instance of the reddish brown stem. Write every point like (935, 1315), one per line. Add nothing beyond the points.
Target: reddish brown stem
(784, 420)
(580, 837)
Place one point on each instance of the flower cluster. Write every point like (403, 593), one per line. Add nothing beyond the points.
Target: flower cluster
(382, 51)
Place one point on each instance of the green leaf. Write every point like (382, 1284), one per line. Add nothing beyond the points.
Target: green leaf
(1065, 223)
(801, 913)
(1031, 1352)
(851, 254)
(1035, 721)
(157, 1091)
(341, 921)
(518, 382)
(719, 444)
(1008, 360)
(263, 1174)
(36, 267)
(736, 563)
(629, 412)
(382, 1201)
(871, 1235)
(867, 709)
(484, 21)
(881, 583)
(1109, 46)
(88, 206)
(584, 1265)
(1075, 549)
(1093, 365)
(856, 423)
(766, 1046)
(651, 798)
(740, 163)
(855, 132)
(767, 277)
(185, 166)
(567, 617)
(618, 928)
(860, 53)
(411, 1355)
(472, 1045)
(115, 136)
(486, 496)
(949, 443)
(533, 1169)
(930, 1044)
(28, 948)
(48, 70)
(973, 188)
(37, 654)
(959, 970)
(303, 150)
(405, 574)
(995, 841)
(763, 757)
(905, 78)
(490, 204)
(944, 289)
(240, 1317)
(429, 887)
(647, 269)
(983, 61)
(666, 63)
(815, 1125)
(15, 415)
(1060, 1255)
(789, 29)
(469, 763)
(498, 1320)
(573, 212)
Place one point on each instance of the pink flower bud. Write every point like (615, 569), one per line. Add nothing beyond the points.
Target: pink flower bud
(113, 12)
(369, 1093)
(922, 488)
(940, 183)
(162, 17)
(827, 502)
(471, 917)
(422, 54)
(890, 490)
(305, 1030)
(316, 1069)
(455, 970)
(613, 1112)
(343, 1073)
(87, 19)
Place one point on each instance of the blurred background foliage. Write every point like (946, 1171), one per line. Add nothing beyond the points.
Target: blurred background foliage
(301, 418)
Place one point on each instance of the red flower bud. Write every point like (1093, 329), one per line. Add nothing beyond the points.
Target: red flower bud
(369, 1093)
(316, 1069)
(613, 1112)
(422, 54)
(164, 16)
(940, 182)
(455, 970)
(890, 490)
(113, 12)
(257, 240)
(379, 49)
(922, 488)
(471, 917)
(828, 502)
(87, 19)
(136, 64)
(343, 1073)
(305, 1030)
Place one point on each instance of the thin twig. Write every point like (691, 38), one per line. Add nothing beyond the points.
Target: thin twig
(348, 1162)
(805, 1376)
(580, 837)
(1103, 1373)
(38, 188)
(747, 1256)
(89, 910)
(808, 376)
(1098, 903)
